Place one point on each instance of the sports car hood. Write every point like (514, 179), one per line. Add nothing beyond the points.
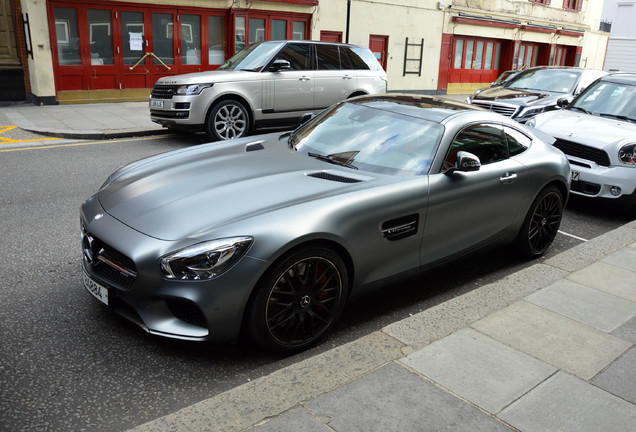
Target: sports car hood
(185, 193)
(516, 96)
(599, 132)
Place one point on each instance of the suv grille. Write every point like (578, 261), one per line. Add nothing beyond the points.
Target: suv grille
(507, 110)
(583, 152)
(164, 91)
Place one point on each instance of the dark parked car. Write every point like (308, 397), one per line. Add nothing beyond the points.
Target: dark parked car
(534, 91)
(272, 234)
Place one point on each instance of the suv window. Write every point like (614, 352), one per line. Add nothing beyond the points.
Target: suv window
(297, 55)
(328, 57)
(485, 141)
(353, 58)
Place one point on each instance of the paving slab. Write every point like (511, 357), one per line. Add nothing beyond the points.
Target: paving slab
(487, 373)
(620, 378)
(395, 399)
(625, 258)
(608, 278)
(562, 342)
(627, 331)
(297, 419)
(589, 306)
(566, 404)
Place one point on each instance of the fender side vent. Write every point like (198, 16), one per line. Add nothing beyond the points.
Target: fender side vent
(400, 228)
(255, 146)
(333, 177)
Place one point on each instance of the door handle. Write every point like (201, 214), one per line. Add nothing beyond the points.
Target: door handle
(508, 177)
(347, 77)
(304, 78)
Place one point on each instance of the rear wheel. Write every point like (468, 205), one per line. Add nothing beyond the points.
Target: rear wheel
(298, 300)
(228, 119)
(542, 222)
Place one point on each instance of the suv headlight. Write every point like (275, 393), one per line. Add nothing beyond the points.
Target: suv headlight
(204, 260)
(528, 112)
(627, 154)
(192, 89)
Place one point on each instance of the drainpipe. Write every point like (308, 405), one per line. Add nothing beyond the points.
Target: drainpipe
(348, 18)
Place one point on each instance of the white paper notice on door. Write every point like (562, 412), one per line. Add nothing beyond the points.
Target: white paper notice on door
(136, 41)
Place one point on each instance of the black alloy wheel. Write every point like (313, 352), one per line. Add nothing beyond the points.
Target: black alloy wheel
(299, 300)
(228, 119)
(542, 222)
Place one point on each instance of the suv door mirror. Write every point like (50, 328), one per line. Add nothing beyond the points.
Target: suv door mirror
(564, 101)
(466, 162)
(279, 65)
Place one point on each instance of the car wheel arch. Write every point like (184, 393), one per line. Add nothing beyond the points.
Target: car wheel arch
(236, 98)
(357, 93)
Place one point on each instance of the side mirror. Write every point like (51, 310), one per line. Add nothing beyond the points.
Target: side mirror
(279, 65)
(466, 162)
(563, 102)
(306, 117)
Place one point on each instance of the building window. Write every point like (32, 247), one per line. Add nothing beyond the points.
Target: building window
(543, 2)
(574, 5)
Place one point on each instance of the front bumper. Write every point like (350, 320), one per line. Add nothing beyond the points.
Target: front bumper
(209, 310)
(592, 180)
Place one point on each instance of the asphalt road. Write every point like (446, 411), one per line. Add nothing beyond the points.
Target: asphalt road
(67, 363)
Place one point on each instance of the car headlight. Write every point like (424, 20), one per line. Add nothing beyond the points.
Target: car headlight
(204, 260)
(532, 122)
(192, 89)
(532, 112)
(627, 154)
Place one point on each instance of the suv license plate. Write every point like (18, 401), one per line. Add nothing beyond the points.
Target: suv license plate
(100, 292)
(575, 175)
(156, 104)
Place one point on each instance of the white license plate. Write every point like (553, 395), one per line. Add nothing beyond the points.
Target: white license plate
(156, 104)
(575, 175)
(100, 292)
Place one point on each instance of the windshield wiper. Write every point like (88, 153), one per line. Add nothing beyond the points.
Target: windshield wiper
(618, 117)
(580, 109)
(331, 159)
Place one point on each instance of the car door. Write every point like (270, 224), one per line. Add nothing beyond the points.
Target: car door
(293, 88)
(468, 209)
(334, 78)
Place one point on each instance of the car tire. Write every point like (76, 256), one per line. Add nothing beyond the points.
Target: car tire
(542, 222)
(298, 300)
(227, 119)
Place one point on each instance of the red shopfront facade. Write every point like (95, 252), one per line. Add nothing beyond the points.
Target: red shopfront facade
(105, 51)
(470, 62)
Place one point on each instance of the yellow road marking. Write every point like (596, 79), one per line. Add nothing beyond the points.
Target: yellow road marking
(85, 143)
(4, 140)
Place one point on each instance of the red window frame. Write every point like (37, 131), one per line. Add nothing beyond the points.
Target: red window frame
(543, 2)
(573, 5)
(268, 17)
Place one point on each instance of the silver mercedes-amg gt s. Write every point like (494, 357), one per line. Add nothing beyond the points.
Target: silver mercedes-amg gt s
(272, 234)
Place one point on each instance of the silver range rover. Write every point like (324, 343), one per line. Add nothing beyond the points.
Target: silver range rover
(266, 84)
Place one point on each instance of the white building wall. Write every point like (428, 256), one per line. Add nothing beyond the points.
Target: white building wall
(621, 49)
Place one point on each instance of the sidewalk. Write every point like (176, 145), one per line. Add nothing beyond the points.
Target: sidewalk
(550, 348)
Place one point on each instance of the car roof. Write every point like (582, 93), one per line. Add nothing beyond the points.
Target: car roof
(621, 77)
(426, 107)
(303, 41)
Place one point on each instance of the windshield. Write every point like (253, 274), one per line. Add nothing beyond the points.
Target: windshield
(253, 57)
(549, 80)
(608, 99)
(371, 139)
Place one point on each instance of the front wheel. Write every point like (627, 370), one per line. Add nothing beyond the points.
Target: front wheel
(542, 222)
(298, 300)
(227, 120)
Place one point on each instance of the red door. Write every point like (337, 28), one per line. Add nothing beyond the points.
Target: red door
(379, 47)
(475, 60)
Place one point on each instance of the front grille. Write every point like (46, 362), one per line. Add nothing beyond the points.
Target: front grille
(507, 110)
(103, 268)
(583, 152)
(584, 187)
(164, 91)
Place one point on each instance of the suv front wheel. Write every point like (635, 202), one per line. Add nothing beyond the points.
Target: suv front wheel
(228, 119)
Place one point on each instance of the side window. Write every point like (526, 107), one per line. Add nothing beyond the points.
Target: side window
(328, 57)
(297, 55)
(485, 141)
(351, 59)
(517, 142)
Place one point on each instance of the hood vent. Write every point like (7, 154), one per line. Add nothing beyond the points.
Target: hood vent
(333, 177)
(255, 146)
